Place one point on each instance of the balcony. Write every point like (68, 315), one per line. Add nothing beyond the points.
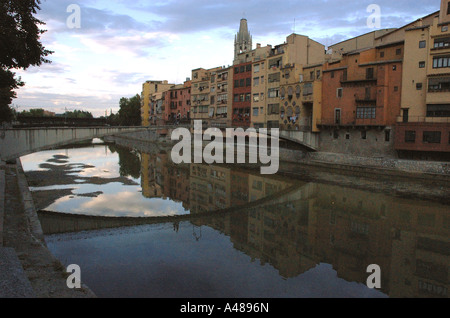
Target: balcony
(424, 119)
(366, 99)
(368, 79)
(356, 122)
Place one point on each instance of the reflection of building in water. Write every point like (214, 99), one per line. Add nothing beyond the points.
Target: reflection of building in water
(279, 234)
(349, 230)
(161, 180)
(150, 189)
(353, 232)
(317, 223)
(420, 250)
(210, 188)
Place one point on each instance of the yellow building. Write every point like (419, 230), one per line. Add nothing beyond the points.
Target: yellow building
(203, 81)
(423, 126)
(284, 72)
(149, 89)
(221, 97)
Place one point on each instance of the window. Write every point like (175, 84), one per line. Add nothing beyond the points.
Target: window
(274, 92)
(422, 44)
(337, 116)
(248, 97)
(398, 52)
(236, 70)
(441, 61)
(332, 74)
(311, 76)
(440, 84)
(367, 93)
(307, 89)
(297, 91)
(340, 92)
(248, 81)
(248, 68)
(236, 97)
(273, 109)
(336, 134)
(242, 69)
(364, 135)
(283, 93)
(255, 98)
(274, 77)
(395, 88)
(442, 42)
(236, 83)
(318, 74)
(410, 136)
(369, 73)
(444, 28)
(387, 135)
(394, 68)
(419, 86)
(432, 137)
(438, 110)
(256, 111)
(290, 92)
(422, 64)
(256, 68)
(366, 112)
(256, 81)
(381, 54)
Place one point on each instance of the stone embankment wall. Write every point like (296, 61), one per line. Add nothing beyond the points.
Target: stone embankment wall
(386, 164)
(393, 166)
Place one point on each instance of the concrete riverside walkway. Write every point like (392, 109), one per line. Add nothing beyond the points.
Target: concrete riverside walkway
(27, 268)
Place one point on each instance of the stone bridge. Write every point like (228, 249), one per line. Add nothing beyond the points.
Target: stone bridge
(15, 143)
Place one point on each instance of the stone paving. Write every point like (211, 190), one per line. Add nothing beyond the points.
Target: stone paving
(27, 268)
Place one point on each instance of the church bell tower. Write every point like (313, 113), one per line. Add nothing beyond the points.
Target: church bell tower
(242, 40)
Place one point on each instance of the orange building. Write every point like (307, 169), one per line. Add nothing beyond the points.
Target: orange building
(361, 101)
(177, 103)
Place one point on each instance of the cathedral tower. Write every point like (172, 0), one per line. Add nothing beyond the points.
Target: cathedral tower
(242, 40)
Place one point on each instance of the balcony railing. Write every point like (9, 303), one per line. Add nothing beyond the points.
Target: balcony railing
(348, 123)
(423, 119)
(365, 99)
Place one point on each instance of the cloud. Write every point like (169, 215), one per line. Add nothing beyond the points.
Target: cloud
(121, 44)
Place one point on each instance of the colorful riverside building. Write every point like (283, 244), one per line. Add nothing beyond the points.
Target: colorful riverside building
(151, 101)
(265, 80)
(423, 127)
(177, 103)
(363, 86)
(361, 101)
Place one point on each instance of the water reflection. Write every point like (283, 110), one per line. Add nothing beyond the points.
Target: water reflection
(279, 238)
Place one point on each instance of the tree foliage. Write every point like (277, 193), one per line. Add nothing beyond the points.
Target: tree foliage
(130, 111)
(20, 47)
(78, 114)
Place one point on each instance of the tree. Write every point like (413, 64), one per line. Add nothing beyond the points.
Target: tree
(20, 47)
(34, 112)
(78, 114)
(130, 111)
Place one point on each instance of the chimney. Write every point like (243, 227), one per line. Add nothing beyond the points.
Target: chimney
(258, 45)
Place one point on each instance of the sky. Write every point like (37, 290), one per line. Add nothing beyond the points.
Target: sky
(120, 44)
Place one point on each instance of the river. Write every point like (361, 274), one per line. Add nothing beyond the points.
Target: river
(236, 233)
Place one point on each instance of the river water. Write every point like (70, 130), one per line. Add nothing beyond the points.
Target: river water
(239, 234)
